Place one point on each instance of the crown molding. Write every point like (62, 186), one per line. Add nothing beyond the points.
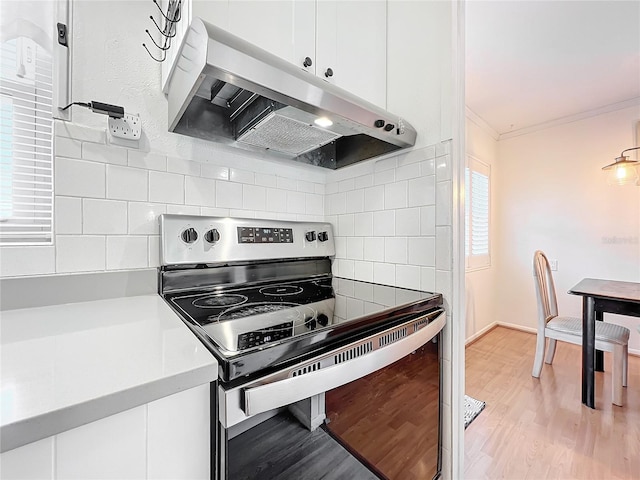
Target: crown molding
(632, 102)
(480, 122)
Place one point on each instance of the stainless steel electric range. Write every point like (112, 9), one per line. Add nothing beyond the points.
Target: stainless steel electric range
(261, 297)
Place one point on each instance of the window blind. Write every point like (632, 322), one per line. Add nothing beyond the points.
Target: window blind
(26, 137)
(477, 210)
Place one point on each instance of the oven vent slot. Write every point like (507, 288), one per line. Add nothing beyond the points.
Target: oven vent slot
(391, 337)
(352, 353)
(419, 324)
(306, 369)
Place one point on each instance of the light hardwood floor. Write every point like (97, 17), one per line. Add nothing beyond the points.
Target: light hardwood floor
(537, 428)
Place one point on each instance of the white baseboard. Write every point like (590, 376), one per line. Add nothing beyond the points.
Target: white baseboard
(513, 326)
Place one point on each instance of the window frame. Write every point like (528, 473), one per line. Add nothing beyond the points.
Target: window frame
(478, 261)
(59, 95)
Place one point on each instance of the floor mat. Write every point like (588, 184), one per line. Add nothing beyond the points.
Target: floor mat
(472, 409)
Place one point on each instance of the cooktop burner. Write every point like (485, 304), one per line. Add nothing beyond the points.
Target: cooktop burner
(281, 290)
(221, 300)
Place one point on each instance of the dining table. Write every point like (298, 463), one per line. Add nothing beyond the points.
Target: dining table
(601, 296)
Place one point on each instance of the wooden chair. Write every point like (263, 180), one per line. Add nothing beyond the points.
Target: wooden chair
(609, 336)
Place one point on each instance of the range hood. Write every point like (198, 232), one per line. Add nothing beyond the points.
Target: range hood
(227, 90)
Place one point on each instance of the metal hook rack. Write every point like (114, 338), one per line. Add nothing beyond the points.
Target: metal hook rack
(168, 31)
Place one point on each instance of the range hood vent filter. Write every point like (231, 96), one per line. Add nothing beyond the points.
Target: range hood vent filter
(286, 135)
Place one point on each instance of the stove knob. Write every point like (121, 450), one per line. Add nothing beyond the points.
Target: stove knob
(310, 236)
(311, 323)
(212, 236)
(323, 236)
(323, 320)
(189, 235)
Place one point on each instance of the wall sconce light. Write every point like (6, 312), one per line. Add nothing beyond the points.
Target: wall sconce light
(623, 171)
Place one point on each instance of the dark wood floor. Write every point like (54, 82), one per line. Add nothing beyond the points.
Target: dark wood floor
(282, 449)
(390, 418)
(537, 428)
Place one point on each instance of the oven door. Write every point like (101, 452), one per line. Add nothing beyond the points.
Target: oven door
(328, 371)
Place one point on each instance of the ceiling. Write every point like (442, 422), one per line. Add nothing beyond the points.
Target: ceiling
(531, 62)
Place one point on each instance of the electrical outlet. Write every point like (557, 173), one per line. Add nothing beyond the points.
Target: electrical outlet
(128, 127)
(554, 265)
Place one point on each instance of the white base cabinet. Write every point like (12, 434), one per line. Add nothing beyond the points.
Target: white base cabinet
(165, 439)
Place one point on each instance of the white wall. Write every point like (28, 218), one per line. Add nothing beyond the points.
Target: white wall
(553, 196)
(480, 284)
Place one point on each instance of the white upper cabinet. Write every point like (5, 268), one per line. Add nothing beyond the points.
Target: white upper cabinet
(341, 41)
(351, 46)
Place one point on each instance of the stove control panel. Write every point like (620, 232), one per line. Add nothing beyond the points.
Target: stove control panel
(191, 239)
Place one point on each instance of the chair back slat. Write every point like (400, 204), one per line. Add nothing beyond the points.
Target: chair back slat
(545, 289)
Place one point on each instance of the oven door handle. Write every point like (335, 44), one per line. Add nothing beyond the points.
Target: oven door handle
(268, 396)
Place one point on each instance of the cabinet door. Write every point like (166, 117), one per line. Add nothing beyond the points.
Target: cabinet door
(352, 42)
(282, 27)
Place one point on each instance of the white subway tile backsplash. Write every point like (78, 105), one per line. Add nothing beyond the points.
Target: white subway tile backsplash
(422, 191)
(355, 201)
(143, 218)
(254, 197)
(147, 160)
(363, 224)
(199, 191)
(407, 172)
(364, 181)
(363, 271)
(104, 153)
(355, 248)
(385, 274)
(331, 188)
(385, 164)
(241, 176)
(319, 189)
(216, 172)
(166, 187)
(346, 185)
(428, 279)
(127, 183)
(428, 220)
(305, 186)
(68, 147)
(408, 221)
(228, 194)
(444, 203)
(384, 223)
(276, 200)
(28, 260)
(341, 247)
(80, 253)
(182, 166)
(214, 212)
(346, 268)
(395, 195)
(384, 177)
(443, 168)
(153, 250)
(338, 203)
(428, 167)
(374, 249)
(408, 276)
(444, 284)
(374, 198)
(421, 251)
(285, 183)
(68, 215)
(265, 180)
(346, 225)
(79, 132)
(79, 178)
(106, 217)
(443, 248)
(183, 209)
(127, 252)
(295, 202)
(314, 204)
(395, 250)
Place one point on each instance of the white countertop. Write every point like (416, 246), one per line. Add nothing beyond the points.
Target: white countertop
(66, 365)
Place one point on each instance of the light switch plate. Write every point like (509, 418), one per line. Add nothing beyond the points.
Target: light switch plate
(554, 265)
